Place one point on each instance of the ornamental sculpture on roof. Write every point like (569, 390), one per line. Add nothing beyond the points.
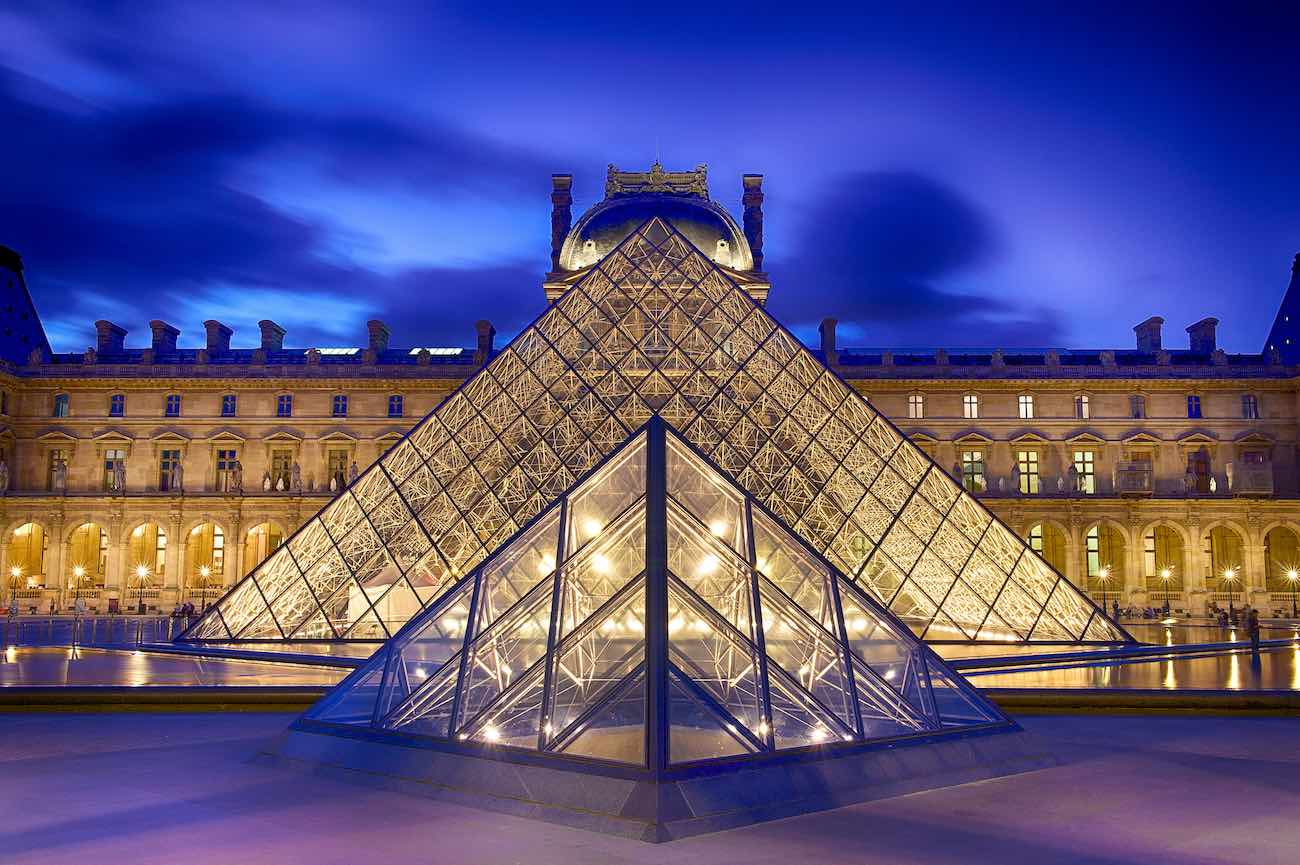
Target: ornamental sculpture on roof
(694, 182)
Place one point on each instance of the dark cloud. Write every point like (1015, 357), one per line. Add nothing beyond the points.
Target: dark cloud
(879, 251)
(131, 214)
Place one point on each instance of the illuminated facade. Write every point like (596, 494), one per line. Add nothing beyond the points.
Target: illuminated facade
(1136, 473)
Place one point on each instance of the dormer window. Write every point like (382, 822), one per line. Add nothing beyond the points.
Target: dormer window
(60, 405)
(117, 405)
(172, 405)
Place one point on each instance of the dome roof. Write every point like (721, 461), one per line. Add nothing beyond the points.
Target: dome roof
(705, 224)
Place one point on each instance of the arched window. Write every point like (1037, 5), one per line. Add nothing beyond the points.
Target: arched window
(1162, 562)
(1104, 561)
(27, 555)
(1282, 559)
(205, 556)
(1226, 554)
(262, 540)
(87, 557)
(147, 548)
(1049, 542)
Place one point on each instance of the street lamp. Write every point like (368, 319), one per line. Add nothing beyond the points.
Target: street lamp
(1229, 576)
(142, 577)
(1293, 575)
(204, 573)
(1165, 575)
(15, 574)
(1102, 576)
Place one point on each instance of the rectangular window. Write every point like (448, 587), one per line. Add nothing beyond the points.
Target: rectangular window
(972, 471)
(1036, 539)
(1137, 406)
(226, 460)
(173, 405)
(970, 406)
(1026, 407)
(284, 405)
(168, 460)
(340, 406)
(281, 469)
(1193, 406)
(60, 405)
(1027, 462)
(337, 469)
(117, 405)
(1093, 547)
(916, 406)
(58, 458)
(113, 457)
(1086, 466)
(228, 405)
(1081, 407)
(395, 405)
(1250, 406)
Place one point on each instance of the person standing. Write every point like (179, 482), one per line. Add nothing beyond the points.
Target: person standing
(1252, 628)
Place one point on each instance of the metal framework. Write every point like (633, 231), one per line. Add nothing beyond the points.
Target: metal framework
(654, 329)
(655, 616)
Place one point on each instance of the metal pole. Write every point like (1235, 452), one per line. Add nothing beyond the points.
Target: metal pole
(656, 623)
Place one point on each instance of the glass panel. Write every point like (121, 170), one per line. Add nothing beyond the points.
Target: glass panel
(796, 720)
(510, 574)
(506, 651)
(706, 496)
(783, 561)
(695, 729)
(958, 705)
(805, 651)
(515, 719)
(598, 572)
(616, 731)
(353, 701)
(606, 494)
(711, 570)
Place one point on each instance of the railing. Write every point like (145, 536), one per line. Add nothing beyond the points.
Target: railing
(88, 630)
(1133, 479)
(1250, 479)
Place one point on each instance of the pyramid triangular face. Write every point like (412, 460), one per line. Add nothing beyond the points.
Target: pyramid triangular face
(655, 615)
(655, 329)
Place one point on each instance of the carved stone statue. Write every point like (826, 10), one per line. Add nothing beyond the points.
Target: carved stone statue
(1189, 483)
(1060, 484)
(311, 484)
(1002, 484)
(119, 477)
(956, 471)
(753, 202)
(237, 477)
(1227, 470)
(1214, 485)
(266, 482)
(178, 477)
(1015, 480)
(1072, 475)
(334, 483)
(352, 472)
(280, 485)
(4, 477)
(295, 478)
(60, 477)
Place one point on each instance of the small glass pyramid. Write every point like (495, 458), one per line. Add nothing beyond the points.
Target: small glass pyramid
(654, 329)
(655, 615)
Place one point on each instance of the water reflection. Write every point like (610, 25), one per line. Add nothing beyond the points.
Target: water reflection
(1278, 669)
(49, 665)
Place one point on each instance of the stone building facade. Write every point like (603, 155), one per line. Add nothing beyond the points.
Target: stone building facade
(156, 474)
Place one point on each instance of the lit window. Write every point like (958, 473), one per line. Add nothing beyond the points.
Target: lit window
(173, 405)
(117, 405)
(1250, 406)
(1137, 406)
(1036, 538)
(1193, 406)
(284, 405)
(1081, 407)
(1026, 407)
(228, 405)
(1093, 545)
(970, 406)
(226, 460)
(58, 460)
(168, 460)
(340, 406)
(972, 471)
(113, 457)
(1027, 462)
(60, 405)
(1085, 465)
(395, 405)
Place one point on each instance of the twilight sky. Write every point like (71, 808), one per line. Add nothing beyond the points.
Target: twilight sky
(934, 176)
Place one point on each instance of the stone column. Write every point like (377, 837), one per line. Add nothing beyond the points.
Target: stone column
(55, 547)
(175, 552)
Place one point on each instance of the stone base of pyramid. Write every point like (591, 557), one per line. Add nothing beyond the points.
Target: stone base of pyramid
(690, 802)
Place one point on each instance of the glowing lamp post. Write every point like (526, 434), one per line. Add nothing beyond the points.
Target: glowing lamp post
(1230, 577)
(1102, 576)
(1165, 575)
(15, 574)
(142, 579)
(204, 573)
(1294, 576)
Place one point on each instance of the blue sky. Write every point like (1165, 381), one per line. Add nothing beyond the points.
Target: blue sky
(934, 177)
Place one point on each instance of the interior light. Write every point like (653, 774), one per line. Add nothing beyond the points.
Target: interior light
(707, 565)
(762, 728)
(591, 527)
(719, 528)
(819, 735)
(859, 624)
(1293, 575)
(545, 565)
(205, 571)
(700, 626)
(15, 572)
(600, 564)
(492, 734)
(141, 571)
(78, 571)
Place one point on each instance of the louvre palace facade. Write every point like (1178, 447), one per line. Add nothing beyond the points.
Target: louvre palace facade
(139, 471)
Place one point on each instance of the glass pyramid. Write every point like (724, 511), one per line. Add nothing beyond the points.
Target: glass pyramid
(655, 615)
(654, 329)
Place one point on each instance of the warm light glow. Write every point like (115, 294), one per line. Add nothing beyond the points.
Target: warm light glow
(600, 564)
(591, 527)
(545, 565)
(707, 565)
(1166, 574)
(141, 571)
(1104, 573)
(1293, 575)
(819, 734)
(78, 571)
(1229, 574)
(719, 528)
(15, 572)
(762, 728)
(205, 571)
(492, 734)
(858, 624)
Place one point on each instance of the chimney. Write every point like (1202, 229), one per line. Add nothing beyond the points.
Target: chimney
(218, 336)
(1148, 334)
(378, 335)
(827, 330)
(752, 199)
(561, 214)
(272, 335)
(164, 336)
(486, 334)
(1201, 336)
(109, 338)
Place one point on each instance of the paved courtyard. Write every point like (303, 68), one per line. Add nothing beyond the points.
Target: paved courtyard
(133, 788)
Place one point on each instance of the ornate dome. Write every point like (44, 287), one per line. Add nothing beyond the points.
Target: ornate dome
(678, 198)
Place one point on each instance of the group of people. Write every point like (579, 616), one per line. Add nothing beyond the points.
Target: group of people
(184, 611)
